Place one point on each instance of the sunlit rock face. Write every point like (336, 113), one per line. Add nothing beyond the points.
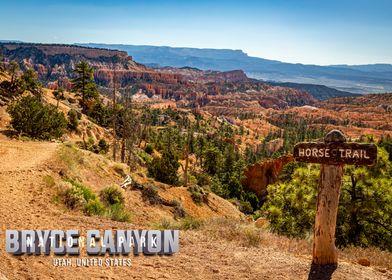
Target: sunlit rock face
(260, 175)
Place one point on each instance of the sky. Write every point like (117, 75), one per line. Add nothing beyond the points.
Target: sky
(320, 32)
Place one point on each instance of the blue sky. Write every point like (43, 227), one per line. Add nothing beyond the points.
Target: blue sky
(300, 31)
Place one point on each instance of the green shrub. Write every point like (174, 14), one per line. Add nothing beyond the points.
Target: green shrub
(198, 194)
(73, 120)
(246, 207)
(112, 195)
(291, 206)
(94, 208)
(34, 119)
(197, 197)
(117, 212)
(217, 187)
(145, 157)
(203, 179)
(190, 223)
(164, 169)
(76, 195)
(73, 197)
(79, 196)
(103, 146)
(88, 194)
(150, 194)
(90, 145)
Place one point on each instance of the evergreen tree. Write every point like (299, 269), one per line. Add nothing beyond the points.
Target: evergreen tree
(32, 118)
(59, 95)
(164, 168)
(212, 160)
(31, 83)
(73, 121)
(84, 84)
(365, 206)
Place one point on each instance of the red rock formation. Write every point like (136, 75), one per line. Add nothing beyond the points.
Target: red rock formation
(260, 175)
(193, 87)
(274, 145)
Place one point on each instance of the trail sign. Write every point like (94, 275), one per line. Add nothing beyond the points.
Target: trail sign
(332, 154)
(336, 153)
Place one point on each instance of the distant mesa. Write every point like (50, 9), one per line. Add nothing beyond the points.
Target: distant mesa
(374, 78)
(192, 86)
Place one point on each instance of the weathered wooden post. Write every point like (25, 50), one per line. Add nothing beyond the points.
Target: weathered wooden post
(332, 154)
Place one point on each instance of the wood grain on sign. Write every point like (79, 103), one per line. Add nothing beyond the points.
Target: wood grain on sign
(336, 153)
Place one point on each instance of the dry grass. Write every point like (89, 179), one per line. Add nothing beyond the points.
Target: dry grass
(376, 256)
(246, 235)
(287, 244)
(188, 223)
(49, 181)
(71, 157)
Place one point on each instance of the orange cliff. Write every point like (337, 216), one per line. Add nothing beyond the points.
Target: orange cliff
(260, 175)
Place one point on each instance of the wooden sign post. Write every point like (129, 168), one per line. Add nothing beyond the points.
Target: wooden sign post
(332, 154)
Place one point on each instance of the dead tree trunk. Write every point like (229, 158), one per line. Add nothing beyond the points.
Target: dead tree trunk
(114, 117)
(324, 250)
(186, 166)
(123, 150)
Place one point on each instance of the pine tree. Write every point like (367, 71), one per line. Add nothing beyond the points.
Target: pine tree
(31, 83)
(84, 84)
(164, 168)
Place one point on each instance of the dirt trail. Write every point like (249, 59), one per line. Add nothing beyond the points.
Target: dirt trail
(26, 203)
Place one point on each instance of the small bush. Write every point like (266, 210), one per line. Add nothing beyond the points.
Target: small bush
(251, 236)
(103, 146)
(73, 197)
(178, 210)
(151, 195)
(112, 195)
(198, 195)
(203, 179)
(117, 212)
(91, 146)
(246, 207)
(88, 194)
(94, 208)
(76, 195)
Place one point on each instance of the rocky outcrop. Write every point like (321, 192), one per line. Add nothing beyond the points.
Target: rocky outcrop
(191, 87)
(260, 175)
(54, 61)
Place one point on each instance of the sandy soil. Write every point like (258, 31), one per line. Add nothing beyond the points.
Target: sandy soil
(25, 203)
